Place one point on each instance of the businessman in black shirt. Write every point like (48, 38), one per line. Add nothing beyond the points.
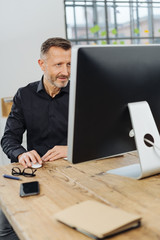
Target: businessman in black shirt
(41, 109)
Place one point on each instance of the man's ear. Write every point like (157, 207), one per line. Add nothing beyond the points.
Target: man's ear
(41, 64)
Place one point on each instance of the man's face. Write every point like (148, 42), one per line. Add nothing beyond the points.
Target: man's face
(56, 66)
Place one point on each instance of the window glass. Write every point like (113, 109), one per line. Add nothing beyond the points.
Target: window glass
(70, 22)
(80, 22)
(112, 22)
(156, 22)
(123, 21)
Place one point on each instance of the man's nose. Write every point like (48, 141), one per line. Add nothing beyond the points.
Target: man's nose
(65, 70)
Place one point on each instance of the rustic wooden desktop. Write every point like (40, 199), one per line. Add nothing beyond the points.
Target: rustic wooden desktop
(63, 184)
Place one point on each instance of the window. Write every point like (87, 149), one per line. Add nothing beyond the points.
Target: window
(113, 22)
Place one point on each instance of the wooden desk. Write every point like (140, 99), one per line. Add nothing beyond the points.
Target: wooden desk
(63, 184)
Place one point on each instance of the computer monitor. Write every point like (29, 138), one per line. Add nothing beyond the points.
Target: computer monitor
(104, 79)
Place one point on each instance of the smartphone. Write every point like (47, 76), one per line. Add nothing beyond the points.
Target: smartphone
(29, 188)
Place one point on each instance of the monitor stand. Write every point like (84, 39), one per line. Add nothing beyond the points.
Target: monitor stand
(147, 140)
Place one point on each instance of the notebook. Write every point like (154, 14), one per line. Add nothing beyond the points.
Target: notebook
(97, 220)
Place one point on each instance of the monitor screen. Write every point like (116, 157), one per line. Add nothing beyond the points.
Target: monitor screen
(104, 79)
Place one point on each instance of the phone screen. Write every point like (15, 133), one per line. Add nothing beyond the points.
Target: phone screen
(29, 188)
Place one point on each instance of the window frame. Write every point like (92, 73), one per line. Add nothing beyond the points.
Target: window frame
(134, 6)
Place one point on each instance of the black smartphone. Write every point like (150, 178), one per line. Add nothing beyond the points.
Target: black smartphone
(29, 188)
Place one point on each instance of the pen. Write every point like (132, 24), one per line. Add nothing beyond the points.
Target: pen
(11, 177)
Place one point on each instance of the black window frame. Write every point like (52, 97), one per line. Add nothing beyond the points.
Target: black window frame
(134, 38)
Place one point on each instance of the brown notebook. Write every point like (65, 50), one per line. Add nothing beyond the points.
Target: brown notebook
(97, 220)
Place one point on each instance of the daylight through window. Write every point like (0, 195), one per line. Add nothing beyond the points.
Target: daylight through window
(112, 22)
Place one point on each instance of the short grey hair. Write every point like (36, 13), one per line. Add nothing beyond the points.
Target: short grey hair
(54, 42)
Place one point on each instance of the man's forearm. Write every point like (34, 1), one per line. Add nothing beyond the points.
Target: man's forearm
(11, 148)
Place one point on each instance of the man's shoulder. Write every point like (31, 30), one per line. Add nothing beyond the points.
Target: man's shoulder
(31, 86)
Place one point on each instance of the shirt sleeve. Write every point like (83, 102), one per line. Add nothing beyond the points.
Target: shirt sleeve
(14, 129)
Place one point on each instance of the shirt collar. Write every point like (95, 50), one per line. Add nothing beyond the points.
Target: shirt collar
(41, 87)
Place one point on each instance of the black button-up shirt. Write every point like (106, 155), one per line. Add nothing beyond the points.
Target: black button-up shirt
(45, 119)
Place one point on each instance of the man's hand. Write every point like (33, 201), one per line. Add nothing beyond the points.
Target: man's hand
(26, 158)
(55, 153)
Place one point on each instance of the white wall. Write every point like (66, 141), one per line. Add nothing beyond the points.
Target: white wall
(24, 25)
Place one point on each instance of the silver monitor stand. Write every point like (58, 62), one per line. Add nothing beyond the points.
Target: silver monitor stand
(144, 128)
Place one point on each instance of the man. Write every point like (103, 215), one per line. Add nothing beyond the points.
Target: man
(41, 109)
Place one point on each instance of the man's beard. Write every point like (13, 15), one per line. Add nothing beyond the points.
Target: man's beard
(61, 84)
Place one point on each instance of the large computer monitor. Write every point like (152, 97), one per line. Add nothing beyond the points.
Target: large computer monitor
(104, 79)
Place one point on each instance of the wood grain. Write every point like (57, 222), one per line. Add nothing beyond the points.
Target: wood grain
(63, 184)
